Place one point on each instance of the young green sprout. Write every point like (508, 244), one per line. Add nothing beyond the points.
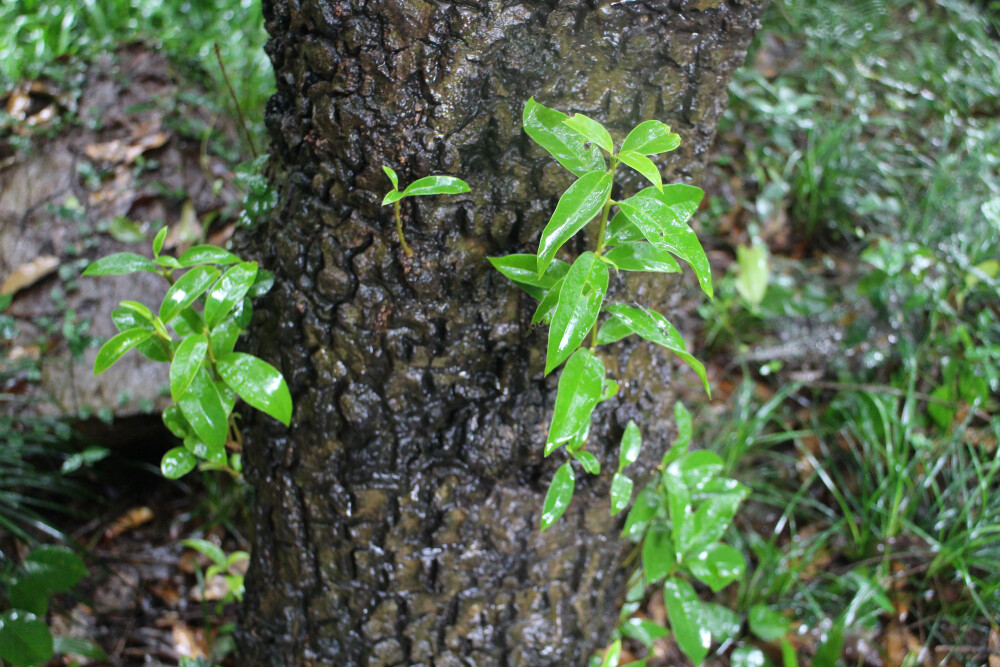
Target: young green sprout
(429, 185)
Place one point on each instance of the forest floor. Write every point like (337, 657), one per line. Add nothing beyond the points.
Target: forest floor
(853, 224)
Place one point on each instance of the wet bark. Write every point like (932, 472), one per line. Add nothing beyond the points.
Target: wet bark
(397, 520)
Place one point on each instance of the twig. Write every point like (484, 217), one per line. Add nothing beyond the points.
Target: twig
(236, 102)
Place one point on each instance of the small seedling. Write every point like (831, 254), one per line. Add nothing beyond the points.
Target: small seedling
(429, 185)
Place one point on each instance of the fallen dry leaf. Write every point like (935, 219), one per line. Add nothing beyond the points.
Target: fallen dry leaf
(130, 520)
(187, 232)
(119, 151)
(188, 641)
(215, 588)
(29, 273)
(994, 646)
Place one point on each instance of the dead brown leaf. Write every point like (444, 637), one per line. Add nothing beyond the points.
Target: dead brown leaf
(29, 273)
(188, 641)
(994, 646)
(215, 588)
(130, 520)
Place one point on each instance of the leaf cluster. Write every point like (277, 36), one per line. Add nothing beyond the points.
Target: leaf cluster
(206, 308)
(647, 232)
(429, 185)
(25, 638)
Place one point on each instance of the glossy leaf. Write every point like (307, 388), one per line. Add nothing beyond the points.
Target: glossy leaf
(206, 254)
(188, 322)
(644, 166)
(679, 511)
(224, 337)
(644, 631)
(391, 197)
(523, 270)
(642, 256)
(24, 639)
(546, 127)
(657, 553)
(754, 274)
(591, 130)
(152, 348)
(685, 428)
(717, 566)
(653, 327)
(580, 204)
(578, 393)
(436, 185)
(588, 462)
(258, 383)
(228, 291)
(697, 468)
(187, 361)
(158, 240)
(651, 137)
(709, 522)
(631, 445)
(621, 230)
(767, 623)
(579, 305)
(547, 306)
(748, 656)
(202, 407)
(115, 348)
(646, 505)
(262, 283)
(186, 290)
(612, 654)
(684, 614)
(392, 176)
(175, 422)
(44, 572)
(62, 645)
(662, 218)
(621, 492)
(177, 462)
(120, 264)
(559, 495)
(722, 622)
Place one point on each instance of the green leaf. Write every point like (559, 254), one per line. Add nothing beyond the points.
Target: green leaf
(647, 504)
(203, 408)
(631, 445)
(126, 231)
(187, 361)
(747, 656)
(559, 495)
(754, 273)
(644, 631)
(579, 305)
(127, 318)
(200, 450)
(592, 131)
(167, 261)
(120, 264)
(113, 350)
(696, 469)
(262, 283)
(158, 240)
(588, 461)
(679, 510)
(228, 291)
(651, 137)
(709, 522)
(523, 270)
(684, 613)
(76, 646)
(24, 639)
(642, 256)
(577, 395)
(644, 166)
(44, 571)
(657, 553)
(581, 202)
(653, 327)
(613, 654)
(224, 337)
(662, 218)
(767, 623)
(621, 492)
(546, 127)
(175, 422)
(722, 622)
(684, 426)
(186, 290)
(547, 305)
(620, 230)
(188, 322)
(177, 462)
(392, 177)
(210, 549)
(436, 185)
(258, 383)
(717, 566)
(206, 254)
(392, 197)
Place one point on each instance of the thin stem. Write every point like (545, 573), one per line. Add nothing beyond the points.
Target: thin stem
(399, 229)
(232, 93)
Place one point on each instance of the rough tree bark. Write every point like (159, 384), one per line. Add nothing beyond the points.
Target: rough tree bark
(397, 521)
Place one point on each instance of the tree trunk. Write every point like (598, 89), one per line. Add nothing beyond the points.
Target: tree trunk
(397, 521)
